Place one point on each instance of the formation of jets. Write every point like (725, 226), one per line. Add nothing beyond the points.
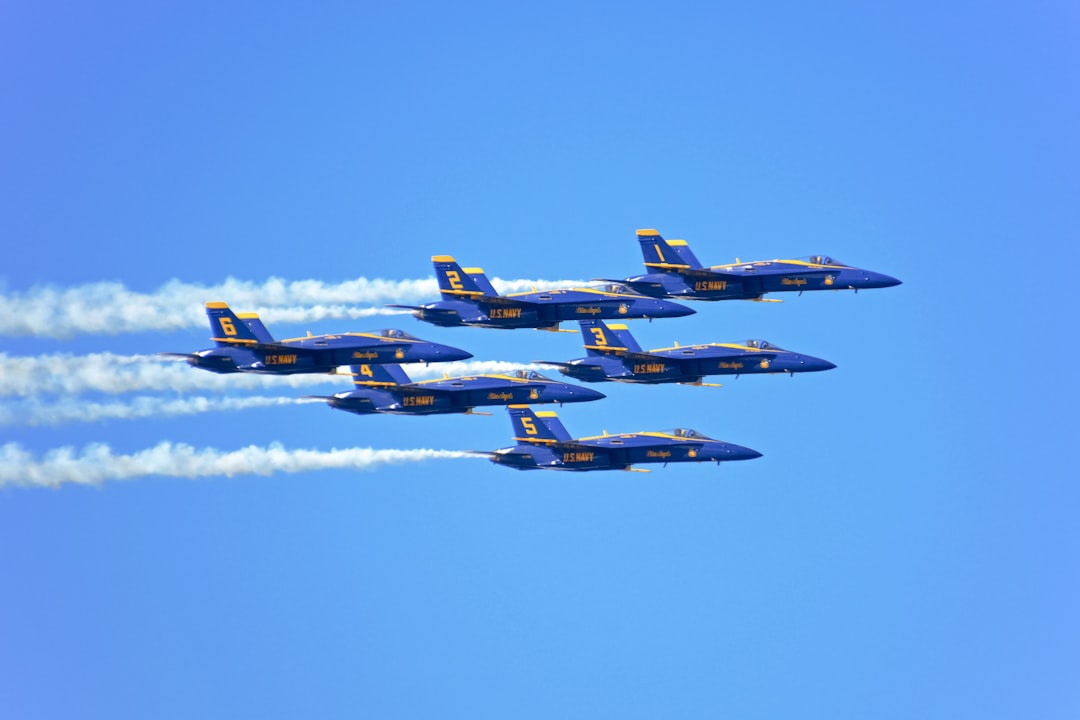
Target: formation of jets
(243, 344)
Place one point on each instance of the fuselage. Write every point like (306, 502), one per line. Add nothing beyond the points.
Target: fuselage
(458, 395)
(752, 280)
(689, 363)
(546, 309)
(324, 353)
(619, 452)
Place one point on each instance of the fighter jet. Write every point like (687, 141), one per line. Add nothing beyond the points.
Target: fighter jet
(544, 444)
(387, 389)
(674, 271)
(614, 355)
(243, 344)
(470, 299)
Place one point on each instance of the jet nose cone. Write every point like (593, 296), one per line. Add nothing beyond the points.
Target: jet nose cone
(580, 394)
(450, 354)
(813, 364)
(668, 309)
(879, 280)
(738, 452)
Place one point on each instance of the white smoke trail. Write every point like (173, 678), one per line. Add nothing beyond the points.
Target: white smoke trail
(97, 463)
(111, 308)
(31, 413)
(64, 374)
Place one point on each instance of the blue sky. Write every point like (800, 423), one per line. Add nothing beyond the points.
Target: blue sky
(905, 548)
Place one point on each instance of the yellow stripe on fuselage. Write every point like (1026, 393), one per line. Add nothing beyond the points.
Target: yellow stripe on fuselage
(669, 266)
(665, 436)
(466, 293)
(733, 346)
(373, 336)
(799, 263)
(591, 291)
(235, 341)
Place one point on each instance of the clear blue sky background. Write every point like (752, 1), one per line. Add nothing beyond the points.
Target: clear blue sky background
(907, 547)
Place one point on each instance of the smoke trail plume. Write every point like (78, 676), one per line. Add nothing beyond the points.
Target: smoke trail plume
(97, 463)
(111, 307)
(31, 413)
(64, 374)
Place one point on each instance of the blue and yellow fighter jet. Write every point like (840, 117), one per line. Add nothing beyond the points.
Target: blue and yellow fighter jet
(469, 299)
(243, 344)
(387, 389)
(544, 444)
(614, 355)
(673, 271)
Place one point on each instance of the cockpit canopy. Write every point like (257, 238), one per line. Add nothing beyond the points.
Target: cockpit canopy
(821, 260)
(615, 289)
(396, 334)
(529, 375)
(762, 345)
(689, 434)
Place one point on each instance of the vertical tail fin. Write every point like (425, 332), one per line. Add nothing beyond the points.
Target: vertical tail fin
(457, 283)
(664, 254)
(601, 338)
(478, 277)
(532, 428)
(255, 324)
(228, 329)
(378, 375)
